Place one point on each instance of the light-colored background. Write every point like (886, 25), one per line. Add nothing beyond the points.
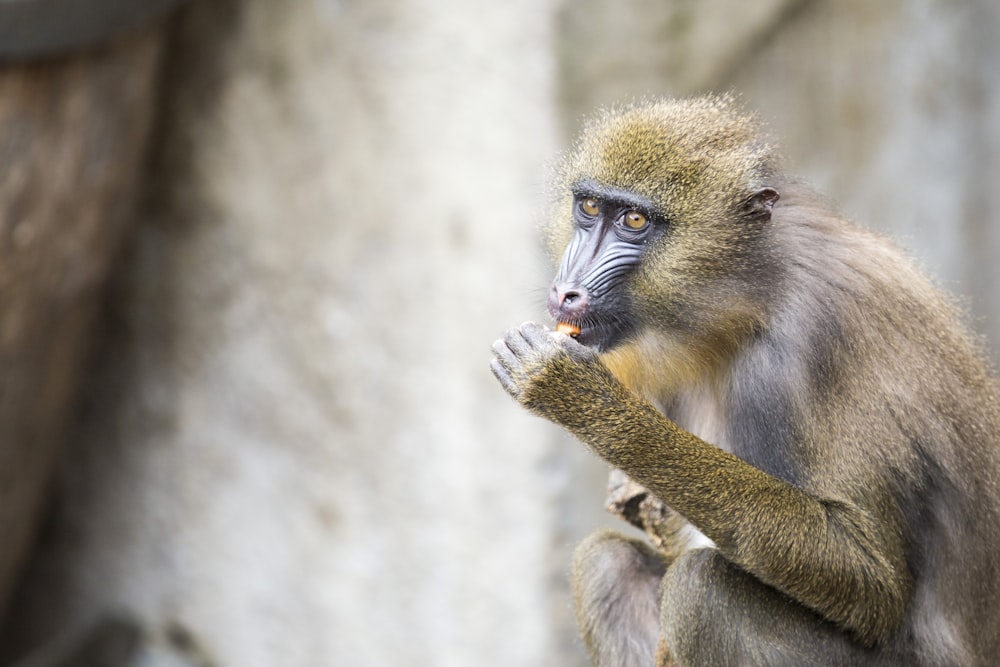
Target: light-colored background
(290, 444)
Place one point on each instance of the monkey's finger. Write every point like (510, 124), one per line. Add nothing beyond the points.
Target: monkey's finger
(503, 375)
(515, 340)
(507, 356)
(537, 336)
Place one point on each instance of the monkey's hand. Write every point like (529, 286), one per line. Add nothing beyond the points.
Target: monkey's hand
(552, 374)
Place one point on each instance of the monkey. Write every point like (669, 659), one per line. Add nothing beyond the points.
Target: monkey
(790, 384)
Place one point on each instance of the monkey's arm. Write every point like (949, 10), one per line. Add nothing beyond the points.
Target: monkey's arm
(843, 561)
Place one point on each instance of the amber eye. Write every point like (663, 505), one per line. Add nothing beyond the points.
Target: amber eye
(635, 220)
(590, 207)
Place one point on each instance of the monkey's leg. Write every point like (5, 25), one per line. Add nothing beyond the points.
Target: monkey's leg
(616, 582)
(713, 613)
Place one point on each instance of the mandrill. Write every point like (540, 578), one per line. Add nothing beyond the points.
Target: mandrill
(790, 386)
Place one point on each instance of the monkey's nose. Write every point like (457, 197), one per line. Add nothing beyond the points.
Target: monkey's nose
(568, 302)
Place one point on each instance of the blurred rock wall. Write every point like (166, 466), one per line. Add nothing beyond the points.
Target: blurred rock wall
(73, 137)
(291, 451)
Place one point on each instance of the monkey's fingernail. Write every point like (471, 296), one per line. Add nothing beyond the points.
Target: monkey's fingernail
(568, 329)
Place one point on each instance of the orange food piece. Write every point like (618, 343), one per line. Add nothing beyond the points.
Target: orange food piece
(568, 329)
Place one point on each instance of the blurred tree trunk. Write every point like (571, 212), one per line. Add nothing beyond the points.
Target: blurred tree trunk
(72, 138)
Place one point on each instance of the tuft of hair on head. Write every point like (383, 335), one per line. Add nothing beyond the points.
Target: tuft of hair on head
(694, 158)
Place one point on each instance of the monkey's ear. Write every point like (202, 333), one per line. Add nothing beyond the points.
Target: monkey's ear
(760, 203)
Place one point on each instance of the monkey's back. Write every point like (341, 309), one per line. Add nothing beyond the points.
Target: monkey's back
(865, 386)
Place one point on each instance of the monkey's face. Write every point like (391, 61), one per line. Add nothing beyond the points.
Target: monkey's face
(668, 203)
(612, 230)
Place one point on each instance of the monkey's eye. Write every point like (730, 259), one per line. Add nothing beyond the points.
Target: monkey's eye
(635, 220)
(591, 207)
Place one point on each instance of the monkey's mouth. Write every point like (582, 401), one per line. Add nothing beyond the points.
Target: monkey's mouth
(595, 336)
(595, 322)
(592, 336)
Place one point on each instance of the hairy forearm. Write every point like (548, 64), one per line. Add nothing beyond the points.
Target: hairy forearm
(831, 556)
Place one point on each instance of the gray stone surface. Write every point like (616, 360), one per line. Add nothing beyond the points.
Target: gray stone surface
(54, 28)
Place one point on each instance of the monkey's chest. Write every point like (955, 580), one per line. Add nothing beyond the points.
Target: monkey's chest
(701, 412)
